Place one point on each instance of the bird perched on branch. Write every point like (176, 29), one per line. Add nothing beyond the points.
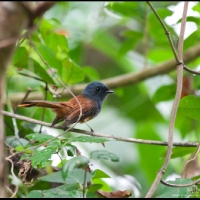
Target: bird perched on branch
(90, 101)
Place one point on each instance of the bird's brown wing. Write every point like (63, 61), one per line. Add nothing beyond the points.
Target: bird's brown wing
(89, 110)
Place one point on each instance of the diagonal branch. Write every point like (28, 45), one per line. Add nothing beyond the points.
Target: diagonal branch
(175, 105)
(122, 80)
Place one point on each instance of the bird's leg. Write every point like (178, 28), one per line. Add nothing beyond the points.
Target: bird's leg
(92, 131)
(65, 128)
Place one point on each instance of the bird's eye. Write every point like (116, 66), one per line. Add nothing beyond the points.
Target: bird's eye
(97, 89)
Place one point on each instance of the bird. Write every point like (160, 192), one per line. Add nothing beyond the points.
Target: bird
(90, 100)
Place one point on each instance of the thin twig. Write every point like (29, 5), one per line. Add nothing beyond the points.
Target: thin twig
(180, 185)
(166, 32)
(31, 76)
(12, 172)
(193, 157)
(190, 70)
(133, 140)
(32, 44)
(171, 41)
(176, 100)
(43, 112)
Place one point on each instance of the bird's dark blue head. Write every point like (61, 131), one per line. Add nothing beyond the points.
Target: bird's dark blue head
(97, 91)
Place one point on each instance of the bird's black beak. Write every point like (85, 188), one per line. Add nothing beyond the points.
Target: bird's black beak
(109, 91)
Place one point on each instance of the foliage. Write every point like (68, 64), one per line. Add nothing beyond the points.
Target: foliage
(83, 42)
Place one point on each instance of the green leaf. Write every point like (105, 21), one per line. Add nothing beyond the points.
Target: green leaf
(191, 39)
(71, 150)
(71, 72)
(190, 107)
(164, 93)
(20, 58)
(63, 191)
(41, 158)
(91, 192)
(78, 175)
(91, 73)
(49, 56)
(181, 151)
(19, 148)
(75, 176)
(41, 138)
(196, 7)
(37, 72)
(127, 46)
(105, 186)
(105, 155)
(191, 19)
(41, 72)
(57, 177)
(127, 9)
(160, 33)
(76, 162)
(99, 174)
(160, 54)
(56, 42)
(90, 139)
(176, 192)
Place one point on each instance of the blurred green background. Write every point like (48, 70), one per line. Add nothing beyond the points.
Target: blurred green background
(89, 41)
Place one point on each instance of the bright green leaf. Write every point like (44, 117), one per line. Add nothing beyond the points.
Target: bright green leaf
(20, 58)
(56, 42)
(91, 192)
(160, 54)
(164, 93)
(41, 158)
(91, 73)
(190, 107)
(196, 7)
(99, 174)
(71, 72)
(19, 148)
(41, 138)
(181, 151)
(41, 72)
(49, 56)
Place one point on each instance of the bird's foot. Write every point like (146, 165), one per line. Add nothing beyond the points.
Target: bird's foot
(92, 131)
(65, 128)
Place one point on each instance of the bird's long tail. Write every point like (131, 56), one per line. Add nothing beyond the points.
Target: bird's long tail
(61, 109)
(40, 103)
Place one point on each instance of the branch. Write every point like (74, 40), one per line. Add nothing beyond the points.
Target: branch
(133, 140)
(176, 100)
(122, 80)
(37, 10)
(42, 8)
(180, 185)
